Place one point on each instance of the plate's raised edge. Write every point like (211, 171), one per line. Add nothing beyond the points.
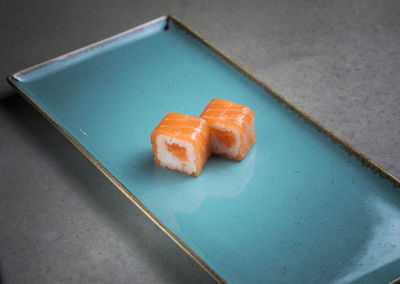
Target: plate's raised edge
(395, 281)
(88, 47)
(365, 160)
(350, 149)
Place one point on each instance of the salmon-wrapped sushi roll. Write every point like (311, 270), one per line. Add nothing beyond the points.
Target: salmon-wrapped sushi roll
(181, 143)
(232, 128)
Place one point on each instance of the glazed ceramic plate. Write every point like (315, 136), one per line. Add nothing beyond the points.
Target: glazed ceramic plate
(303, 206)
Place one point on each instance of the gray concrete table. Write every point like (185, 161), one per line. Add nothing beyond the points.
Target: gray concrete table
(62, 221)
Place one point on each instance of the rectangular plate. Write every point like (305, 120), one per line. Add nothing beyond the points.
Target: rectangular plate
(303, 206)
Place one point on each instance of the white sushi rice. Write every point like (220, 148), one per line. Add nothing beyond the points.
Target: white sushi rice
(219, 148)
(167, 159)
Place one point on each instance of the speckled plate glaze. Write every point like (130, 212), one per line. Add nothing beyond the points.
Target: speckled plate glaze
(302, 207)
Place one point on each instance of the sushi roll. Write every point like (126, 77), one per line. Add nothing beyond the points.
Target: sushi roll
(232, 128)
(181, 143)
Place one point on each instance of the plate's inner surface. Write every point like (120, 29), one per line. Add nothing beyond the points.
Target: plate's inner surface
(298, 208)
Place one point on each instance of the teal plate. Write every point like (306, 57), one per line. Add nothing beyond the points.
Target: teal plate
(302, 207)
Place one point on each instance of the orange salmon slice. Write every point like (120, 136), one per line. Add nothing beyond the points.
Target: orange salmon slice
(232, 128)
(181, 143)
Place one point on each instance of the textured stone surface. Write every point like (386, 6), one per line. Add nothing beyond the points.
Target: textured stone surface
(62, 221)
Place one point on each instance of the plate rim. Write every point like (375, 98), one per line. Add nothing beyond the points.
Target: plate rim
(364, 159)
